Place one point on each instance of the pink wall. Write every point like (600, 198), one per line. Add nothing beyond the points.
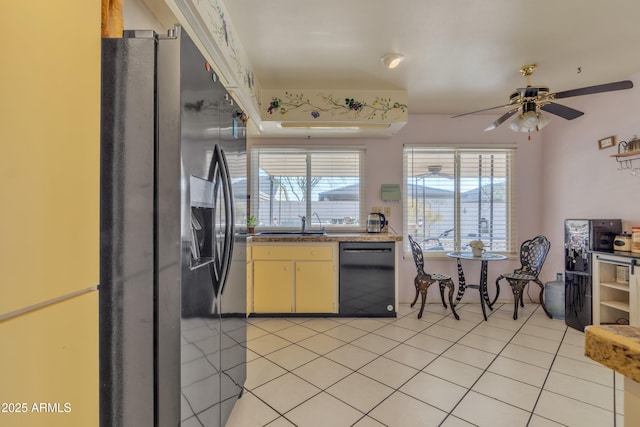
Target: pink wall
(561, 174)
(384, 166)
(581, 181)
(441, 129)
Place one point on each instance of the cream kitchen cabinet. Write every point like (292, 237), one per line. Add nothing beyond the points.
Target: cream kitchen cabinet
(50, 355)
(50, 218)
(293, 278)
(616, 279)
(272, 286)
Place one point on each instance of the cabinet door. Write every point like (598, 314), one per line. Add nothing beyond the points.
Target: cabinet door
(634, 297)
(315, 287)
(50, 163)
(50, 356)
(249, 281)
(272, 286)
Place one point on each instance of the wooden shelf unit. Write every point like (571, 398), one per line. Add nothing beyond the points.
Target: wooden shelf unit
(614, 300)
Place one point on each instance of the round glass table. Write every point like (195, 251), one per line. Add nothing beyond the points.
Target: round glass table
(482, 286)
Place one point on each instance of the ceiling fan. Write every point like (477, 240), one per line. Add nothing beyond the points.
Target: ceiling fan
(435, 171)
(529, 102)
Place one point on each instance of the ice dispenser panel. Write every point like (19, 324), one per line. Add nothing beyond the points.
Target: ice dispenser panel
(202, 216)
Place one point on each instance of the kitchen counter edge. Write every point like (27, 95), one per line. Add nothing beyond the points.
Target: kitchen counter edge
(616, 347)
(329, 237)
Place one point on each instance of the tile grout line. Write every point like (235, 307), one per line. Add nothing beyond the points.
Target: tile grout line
(485, 370)
(381, 355)
(414, 333)
(555, 356)
(397, 389)
(321, 390)
(352, 370)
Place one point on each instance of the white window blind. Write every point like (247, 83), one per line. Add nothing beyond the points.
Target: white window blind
(454, 196)
(325, 185)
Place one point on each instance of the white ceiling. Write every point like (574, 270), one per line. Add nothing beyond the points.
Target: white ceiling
(461, 55)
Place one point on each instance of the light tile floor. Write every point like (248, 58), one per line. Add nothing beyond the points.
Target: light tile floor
(435, 371)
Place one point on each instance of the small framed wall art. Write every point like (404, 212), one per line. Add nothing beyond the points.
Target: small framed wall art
(607, 142)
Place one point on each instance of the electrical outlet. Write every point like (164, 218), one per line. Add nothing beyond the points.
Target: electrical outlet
(387, 211)
(376, 209)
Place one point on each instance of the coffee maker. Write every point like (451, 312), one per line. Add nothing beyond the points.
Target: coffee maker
(376, 222)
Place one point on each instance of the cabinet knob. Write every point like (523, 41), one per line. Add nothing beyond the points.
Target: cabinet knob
(313, 252)
(286, 268)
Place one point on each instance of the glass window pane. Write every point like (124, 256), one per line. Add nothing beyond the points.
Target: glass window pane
(324, 185)
(336, 189)
(455, 196)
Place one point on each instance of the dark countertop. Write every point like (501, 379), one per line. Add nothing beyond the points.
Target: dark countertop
(626, 254)
(329, 237)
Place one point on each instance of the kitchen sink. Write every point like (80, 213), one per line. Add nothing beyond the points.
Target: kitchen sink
(291, 233)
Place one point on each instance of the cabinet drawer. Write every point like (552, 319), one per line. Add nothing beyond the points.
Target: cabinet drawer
(293, 253)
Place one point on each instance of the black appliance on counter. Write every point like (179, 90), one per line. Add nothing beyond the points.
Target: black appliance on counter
(172, 246)
(581, 237)
(367, 279)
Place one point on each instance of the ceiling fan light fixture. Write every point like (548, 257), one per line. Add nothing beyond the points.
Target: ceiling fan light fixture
(529, 121)
(392, 60)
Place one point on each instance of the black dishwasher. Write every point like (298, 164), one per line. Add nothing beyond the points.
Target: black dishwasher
(367, 279)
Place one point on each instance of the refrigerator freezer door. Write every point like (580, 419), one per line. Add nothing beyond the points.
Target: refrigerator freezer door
(168, 217)
(214, 352)
(200, 329)
(161, 329)
(233, 301)
(127, 265)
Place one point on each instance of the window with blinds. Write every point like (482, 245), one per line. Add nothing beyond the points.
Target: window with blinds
(457, 195)
(326, 185)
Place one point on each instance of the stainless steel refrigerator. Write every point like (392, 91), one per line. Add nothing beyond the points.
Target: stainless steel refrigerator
(581, 238)
(173, 236)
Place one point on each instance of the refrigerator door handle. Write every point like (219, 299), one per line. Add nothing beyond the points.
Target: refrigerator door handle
(219, 173)
(230, 220)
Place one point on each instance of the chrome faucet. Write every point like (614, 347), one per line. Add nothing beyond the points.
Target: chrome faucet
(319, 220)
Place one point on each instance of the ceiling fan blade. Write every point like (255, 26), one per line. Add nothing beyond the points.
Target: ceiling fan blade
(480, 111)
(502, 119)
(562, 111)
(607, 87)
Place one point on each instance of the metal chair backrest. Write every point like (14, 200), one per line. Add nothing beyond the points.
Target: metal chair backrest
(533, 252)
(417, 255)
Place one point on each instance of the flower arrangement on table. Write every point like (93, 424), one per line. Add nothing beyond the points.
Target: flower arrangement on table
(476, 244)
(477, 247)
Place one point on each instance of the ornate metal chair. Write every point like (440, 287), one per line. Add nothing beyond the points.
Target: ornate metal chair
(533, 253)
(424, 280)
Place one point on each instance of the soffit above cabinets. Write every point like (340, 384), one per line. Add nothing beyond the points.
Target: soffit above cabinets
(349, 113)
(460, 56)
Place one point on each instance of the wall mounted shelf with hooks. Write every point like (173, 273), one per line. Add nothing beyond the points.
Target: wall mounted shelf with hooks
(627, 153)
